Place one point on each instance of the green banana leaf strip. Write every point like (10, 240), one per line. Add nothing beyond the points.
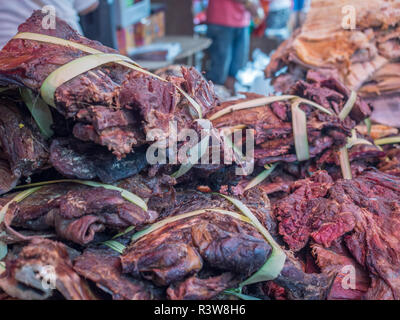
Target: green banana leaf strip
(389, 140)
(40, 112)
(368, 123)
(345, 163)
(354, 140)
(299, 123)
(115, 245)
(274, 265)
(3, 250)
(127, 230)
(261, 177)
(129, 63)
(348, 106)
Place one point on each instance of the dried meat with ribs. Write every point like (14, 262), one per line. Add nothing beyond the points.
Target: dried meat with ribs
(272, 124)
(111, 105)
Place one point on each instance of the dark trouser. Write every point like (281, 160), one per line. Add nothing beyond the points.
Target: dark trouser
(229, 51)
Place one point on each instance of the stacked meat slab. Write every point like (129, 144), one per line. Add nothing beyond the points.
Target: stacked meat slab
(325, 225)
(102, 116)
(365, 59)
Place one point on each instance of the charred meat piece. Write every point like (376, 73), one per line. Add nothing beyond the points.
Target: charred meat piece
(178, 254)
(41, 267)
(103, 267)
(363, 212)
(300, 285)
(159, 189)
(111, 105)
(76, 159)
(182, 248)
(22, 149)
(67, 159)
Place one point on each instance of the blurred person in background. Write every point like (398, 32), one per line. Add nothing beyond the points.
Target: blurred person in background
(228, 24)
(15, 12)
(300, 9)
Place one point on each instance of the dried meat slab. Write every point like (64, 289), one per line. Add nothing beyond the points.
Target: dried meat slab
(213, 252)
(364, 59)
(110, 105)
(364, 212)
(272, 124)
(78, 213)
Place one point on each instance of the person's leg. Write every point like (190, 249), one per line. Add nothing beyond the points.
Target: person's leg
(240, 52)
(220, 53)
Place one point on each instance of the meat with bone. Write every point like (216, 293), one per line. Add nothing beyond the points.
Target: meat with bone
(362, 212)
(363, 58)
(273, 123)
(52, 262)
(111, 105)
